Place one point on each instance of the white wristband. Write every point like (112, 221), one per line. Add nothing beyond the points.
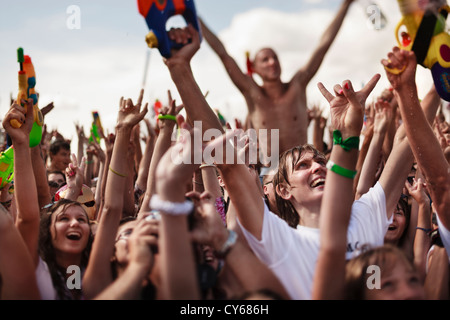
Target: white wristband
(173, 208)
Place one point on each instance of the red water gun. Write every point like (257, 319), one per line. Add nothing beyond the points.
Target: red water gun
(156, 14)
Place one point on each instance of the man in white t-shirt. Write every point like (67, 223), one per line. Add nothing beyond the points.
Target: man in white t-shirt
(290, 249)
(284, 248)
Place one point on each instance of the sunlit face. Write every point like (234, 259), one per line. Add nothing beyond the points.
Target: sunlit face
(70, 229)
(60, 160)
(267, 65)
(397, 227)
(307, 180)
(400, 283)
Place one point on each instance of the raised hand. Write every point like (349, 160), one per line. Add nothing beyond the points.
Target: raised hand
(347, 107)
(75, 173)
(130, 114)
(383, 116)
(17, 112)
(418, 190)
(181, 160)
(400, 67)
(189, 38)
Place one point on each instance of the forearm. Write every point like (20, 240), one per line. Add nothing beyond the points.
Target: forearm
(88, 170)
(326, 40)
(16, 265)
(127, 287)
(25, 193)
(40, 174)
(98, 188)
(318, 135)
(98, 273)
(210, 181)
(193, 100)
(213, 40)
(252, 274)
(178, 268)
(80, 150)
(370, 165)
(332, 30)
(144, 167)
(129, 208)
(422, 240)
(162, 144)
(246, 199)
(118, 170)
(426, 149)
(334, 219)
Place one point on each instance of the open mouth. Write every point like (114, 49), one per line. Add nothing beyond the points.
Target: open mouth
(392, 228)
(75, 236)
(319, 182)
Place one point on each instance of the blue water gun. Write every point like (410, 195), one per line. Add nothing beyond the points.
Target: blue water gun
(156, 14)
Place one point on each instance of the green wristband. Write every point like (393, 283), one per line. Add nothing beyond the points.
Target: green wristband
(167, 117)
(341, 171)
(347, 144)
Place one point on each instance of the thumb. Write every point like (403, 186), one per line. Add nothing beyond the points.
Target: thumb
(370, 85)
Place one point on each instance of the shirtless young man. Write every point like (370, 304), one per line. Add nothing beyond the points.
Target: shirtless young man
(275, 104)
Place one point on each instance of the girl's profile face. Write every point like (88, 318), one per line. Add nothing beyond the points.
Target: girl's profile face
(399, 282)
(70, 230)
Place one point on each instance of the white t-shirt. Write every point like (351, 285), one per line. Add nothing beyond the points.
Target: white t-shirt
(292, 253)
(44, 281)
(445, 236)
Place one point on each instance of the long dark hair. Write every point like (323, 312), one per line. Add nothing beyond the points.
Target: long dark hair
(47, 251)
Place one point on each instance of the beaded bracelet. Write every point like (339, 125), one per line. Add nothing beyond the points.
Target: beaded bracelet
(172, 208)
(340, 170)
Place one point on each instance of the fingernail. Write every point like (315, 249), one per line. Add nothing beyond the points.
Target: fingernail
(341, 91)
(347, 86)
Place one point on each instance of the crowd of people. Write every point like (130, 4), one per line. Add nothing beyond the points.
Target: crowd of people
(364, 216)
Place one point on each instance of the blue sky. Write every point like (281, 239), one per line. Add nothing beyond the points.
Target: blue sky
(90, 68)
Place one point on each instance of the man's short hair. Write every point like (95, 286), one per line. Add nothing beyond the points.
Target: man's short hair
(57, 145)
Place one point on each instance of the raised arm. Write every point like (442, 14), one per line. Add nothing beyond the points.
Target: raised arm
(383, 116)
(25, 191)
(347, 117)
(174, 171)
(144, 166)
(17, 268)
(195, 104)
(98, 273)
(305, 74)
(166, 124)
(239, 78)
(423, 142)
(421, 239)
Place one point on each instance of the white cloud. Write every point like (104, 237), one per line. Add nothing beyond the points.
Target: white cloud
(104, 65)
